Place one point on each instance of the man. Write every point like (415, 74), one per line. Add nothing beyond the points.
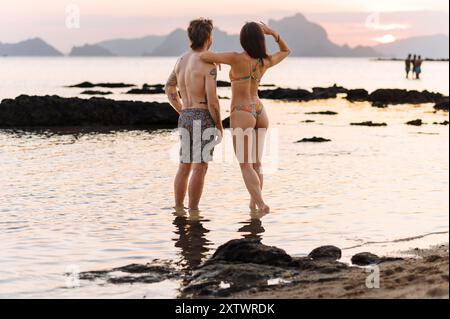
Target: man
(408, 63)
(195, 82)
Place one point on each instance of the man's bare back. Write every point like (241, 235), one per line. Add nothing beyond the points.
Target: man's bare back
(196, 82)
(191, 74)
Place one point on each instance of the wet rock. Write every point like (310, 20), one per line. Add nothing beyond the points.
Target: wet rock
(323, 266)
(286, 94)
(93, 92)
(442, 105)
(357, 95)
(415, 123)
(48, 111)
(223, 84)
(441, 123)
(148, 89)
(314, 139)
(322, 113)
(135, 273)
(250, 251)
(326, 253)
(382, 97)
(365, 259)
(380, 105)
(368, 123)
(221, 278)
(328, 93)
(103, 85)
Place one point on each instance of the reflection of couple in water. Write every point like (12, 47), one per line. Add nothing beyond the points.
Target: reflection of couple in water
(191, 235)
(414, 64)
(194, 80)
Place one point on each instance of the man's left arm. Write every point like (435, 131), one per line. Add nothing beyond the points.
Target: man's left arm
(211, 96)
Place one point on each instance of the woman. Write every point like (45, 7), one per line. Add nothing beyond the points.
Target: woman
(247, 111)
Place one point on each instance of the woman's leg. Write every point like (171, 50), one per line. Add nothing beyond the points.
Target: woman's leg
(262, 125)
(243, 124)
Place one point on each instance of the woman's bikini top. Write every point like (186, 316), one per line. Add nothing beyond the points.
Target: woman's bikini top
(252, 75)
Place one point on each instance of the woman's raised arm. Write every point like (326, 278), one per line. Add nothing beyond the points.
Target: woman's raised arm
(219, 58)
(284, 49)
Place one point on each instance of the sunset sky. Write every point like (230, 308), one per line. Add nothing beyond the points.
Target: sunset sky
(350, 22)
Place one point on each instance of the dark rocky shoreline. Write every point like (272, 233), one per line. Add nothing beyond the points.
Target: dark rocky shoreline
(51, 111)
(245, 266)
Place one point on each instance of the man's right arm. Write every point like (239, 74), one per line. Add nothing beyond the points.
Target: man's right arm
(172, 92)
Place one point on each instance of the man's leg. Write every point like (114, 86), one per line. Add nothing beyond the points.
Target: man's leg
(181, 184)
(196, 184)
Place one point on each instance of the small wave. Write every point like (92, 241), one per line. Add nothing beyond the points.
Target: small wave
(397, 240)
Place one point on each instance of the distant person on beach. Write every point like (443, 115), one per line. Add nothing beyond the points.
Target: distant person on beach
(247, 112)
(413, 63)
(408, 63)
(194, 80)
(418, 67)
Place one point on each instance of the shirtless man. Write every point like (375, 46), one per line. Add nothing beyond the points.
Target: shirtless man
(195, 82)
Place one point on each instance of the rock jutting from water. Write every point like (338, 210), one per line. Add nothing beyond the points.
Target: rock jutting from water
(89, 85)
(148, 89)
(322, 113)
(357, 95)
(368, 123)
(385, 97)
(93, 92)
(51, 111)
(314, 139)
(442, 106)
(417, 122)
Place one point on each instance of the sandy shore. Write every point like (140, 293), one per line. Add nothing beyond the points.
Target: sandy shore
(424, 275)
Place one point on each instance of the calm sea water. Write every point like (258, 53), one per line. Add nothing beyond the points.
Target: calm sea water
(95, 200)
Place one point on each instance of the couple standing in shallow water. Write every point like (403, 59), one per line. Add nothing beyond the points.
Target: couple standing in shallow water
(192, 92)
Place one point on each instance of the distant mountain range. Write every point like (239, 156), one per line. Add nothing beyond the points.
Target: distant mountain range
(305, 39)
(31, 47)
(433, 47)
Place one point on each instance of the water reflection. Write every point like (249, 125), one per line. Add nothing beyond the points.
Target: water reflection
(253, 227)
(191, 238)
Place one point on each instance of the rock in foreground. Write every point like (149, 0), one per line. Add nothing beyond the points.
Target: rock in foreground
(251, 251)
(326, 253)
(51, 111)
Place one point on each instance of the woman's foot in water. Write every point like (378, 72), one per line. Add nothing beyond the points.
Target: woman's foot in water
(262, 208)
(252, 206)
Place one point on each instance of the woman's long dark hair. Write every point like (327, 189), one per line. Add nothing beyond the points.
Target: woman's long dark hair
(253, 41)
